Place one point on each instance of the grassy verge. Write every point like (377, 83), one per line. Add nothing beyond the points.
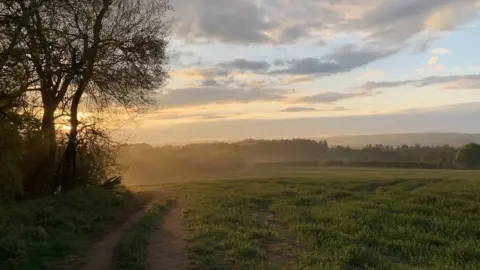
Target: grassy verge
(388, 220)
(38, 234)
(133, 250)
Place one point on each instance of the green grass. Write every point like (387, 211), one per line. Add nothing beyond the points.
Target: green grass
(133, 251)
(38, 234)
(336, 219)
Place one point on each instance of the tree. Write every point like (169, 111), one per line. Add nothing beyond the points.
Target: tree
(15, 74)
(112, 52)
(125, 62)
(469, 156)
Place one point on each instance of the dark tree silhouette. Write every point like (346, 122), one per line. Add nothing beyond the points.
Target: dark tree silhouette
(469, 156)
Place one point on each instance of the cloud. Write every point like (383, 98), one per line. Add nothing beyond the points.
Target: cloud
(343, 59)
(209, 82)
(296, 79)
(179, 57)
(199, 73)
(396, 22)
(299, 109)
(330, 97)
(279, 62)
(432, 61)
(282, 21)
(217, 95)
(178, 116)
(339, 109)
(448, 82)
(256, 84)
(245, 65)
(421, 45)
(438, 51)
(234, 21)
(310, 109)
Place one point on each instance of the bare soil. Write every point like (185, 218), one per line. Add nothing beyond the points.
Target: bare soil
(167, 248)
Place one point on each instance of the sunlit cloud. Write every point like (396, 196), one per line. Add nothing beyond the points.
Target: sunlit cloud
(439, 51)
(432, 61)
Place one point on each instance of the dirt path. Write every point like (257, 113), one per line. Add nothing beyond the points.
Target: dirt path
(167, 250)
(100, 255)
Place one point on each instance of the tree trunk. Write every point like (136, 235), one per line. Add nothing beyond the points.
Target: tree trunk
(47, 171)
(69, 170)
(41, 179)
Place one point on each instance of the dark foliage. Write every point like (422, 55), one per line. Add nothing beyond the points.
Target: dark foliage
(469, 156)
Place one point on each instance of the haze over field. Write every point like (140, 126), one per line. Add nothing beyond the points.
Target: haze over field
(279, 68)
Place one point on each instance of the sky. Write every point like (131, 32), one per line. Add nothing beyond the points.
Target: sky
(317, 68)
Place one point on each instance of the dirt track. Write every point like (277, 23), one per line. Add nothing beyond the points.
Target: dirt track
(166, 250)
(167, 245)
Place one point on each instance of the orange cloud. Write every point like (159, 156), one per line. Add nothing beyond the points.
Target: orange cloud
(433, 60)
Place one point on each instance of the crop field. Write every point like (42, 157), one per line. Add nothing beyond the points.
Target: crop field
(334, 219)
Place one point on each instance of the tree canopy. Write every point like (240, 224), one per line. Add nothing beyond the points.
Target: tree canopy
(59, 57)
(469, 156)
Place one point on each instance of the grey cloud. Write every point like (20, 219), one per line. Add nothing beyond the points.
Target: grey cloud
(330, 97)
(294, 33)
(248, 21)
(343, 59)
(209, 82)
(309, 66)
(422, 45)
(210, 73)
(233, 21)
(398, 21)
(310, 109)
(454, 82)
(279, 62)
(299, 109)
(321, 43)
(243, 64)
(217, 95)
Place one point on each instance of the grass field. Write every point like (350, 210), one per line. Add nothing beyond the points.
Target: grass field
(335, 219)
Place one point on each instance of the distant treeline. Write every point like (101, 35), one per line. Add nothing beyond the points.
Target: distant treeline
(213, 157)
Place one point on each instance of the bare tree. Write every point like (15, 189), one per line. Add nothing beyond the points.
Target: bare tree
(125, 61)
(15, 74)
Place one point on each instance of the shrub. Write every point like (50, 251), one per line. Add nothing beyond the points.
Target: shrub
(10, 158)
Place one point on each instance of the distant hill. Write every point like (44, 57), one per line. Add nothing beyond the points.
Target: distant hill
(453, 139)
